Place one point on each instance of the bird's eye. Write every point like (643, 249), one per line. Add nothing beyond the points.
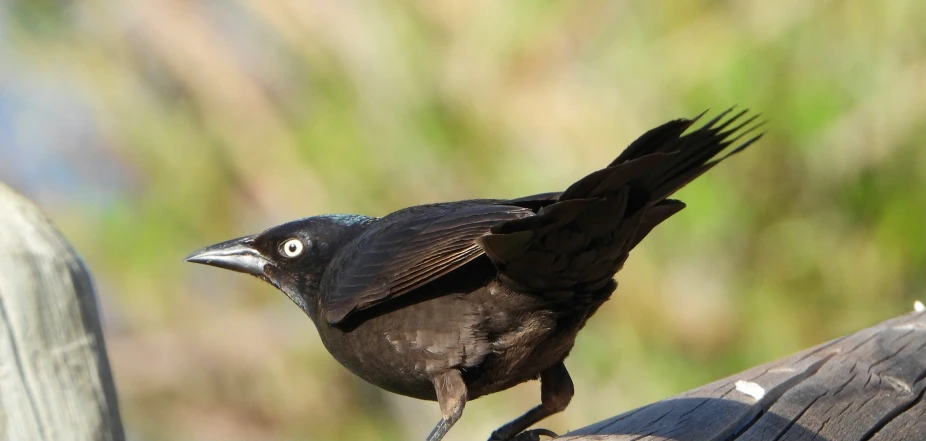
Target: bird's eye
(292, 248)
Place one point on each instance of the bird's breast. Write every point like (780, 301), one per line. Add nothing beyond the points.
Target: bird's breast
(498, 338)
(401, 349)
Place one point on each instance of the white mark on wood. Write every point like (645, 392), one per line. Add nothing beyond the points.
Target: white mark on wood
(751, 389)
(79, 344)
(918, 306)
(898, 384)
(784, 369)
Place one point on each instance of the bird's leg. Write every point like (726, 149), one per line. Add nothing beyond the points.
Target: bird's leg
(555, 392)
(451, 395)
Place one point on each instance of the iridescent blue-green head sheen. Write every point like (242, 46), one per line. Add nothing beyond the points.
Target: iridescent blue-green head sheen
(292, 257)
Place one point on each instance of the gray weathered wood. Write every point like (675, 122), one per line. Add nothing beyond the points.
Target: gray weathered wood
(55, 381)
(865, 386)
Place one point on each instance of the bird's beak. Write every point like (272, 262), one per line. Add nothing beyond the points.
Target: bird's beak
(236, 255)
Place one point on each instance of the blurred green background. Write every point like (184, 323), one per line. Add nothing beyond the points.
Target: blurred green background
(147, 129)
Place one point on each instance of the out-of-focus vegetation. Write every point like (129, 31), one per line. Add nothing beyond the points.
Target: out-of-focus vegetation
(150, 128)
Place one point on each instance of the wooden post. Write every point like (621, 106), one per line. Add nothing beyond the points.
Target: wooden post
(865, 386)
(55, 381)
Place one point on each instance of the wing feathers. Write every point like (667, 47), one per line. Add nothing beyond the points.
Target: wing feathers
(408, 249)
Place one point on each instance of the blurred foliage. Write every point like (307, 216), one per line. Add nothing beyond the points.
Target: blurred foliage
(150, 128)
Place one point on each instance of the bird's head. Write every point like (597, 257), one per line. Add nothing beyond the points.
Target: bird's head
(292, 256)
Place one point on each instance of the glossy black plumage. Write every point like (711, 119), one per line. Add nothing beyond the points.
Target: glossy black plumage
(456, 300)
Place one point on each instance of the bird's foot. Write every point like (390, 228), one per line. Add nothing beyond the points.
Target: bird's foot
(527, 435)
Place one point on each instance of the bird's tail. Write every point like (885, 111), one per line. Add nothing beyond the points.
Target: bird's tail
(577, 241)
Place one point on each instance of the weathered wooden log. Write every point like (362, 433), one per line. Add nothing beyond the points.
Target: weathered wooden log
(865, 386)
(55, 380)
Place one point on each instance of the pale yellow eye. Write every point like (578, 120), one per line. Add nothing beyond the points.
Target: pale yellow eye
(292, 248)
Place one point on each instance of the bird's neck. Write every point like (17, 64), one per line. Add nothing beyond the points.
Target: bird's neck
(336, 232)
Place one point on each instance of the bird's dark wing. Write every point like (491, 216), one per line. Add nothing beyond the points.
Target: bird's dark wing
(408, 249)
(577, 243)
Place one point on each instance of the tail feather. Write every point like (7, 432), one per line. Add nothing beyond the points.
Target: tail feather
(656, 140)
(579, 242)
(694, 153)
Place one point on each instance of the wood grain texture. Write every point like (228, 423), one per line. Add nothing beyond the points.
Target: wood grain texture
(865, 386)
(55, 380)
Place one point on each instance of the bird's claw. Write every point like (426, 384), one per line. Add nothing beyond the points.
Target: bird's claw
(527, 435)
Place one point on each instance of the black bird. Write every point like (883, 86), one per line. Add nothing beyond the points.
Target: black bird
(456, 300)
